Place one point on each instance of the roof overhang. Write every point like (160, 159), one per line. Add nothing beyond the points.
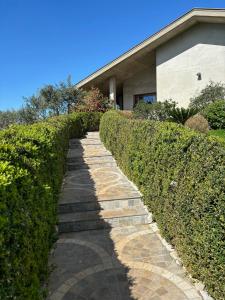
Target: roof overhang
(120, 65)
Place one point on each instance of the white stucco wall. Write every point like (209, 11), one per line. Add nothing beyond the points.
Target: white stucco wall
(141, 83)
(199, 49)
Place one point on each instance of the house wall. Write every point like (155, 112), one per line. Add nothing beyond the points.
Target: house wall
(199, 49)
(141, 83)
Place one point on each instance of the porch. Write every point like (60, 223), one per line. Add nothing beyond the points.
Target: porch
(129, 82)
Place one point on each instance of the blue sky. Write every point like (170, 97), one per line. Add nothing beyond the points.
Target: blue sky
(42, 41)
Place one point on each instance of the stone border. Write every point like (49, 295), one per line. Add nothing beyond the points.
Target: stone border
(105, 257)
(107, 264)
(75, 278)
(180, 283)
(189, 291)
(121, 244)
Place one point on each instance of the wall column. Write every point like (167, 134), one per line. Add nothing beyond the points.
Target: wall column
(112, 90)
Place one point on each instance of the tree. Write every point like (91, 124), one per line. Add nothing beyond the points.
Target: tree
(8, 117)
(69, 94)
(35, 109)
(60, 98)
(51, 98)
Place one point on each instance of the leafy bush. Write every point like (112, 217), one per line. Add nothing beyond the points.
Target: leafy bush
(159, 111)
(215, 114)
(31, 170)
(198, 123)
(92, 101)
(211, 93)
(181, 115)
(190, 213)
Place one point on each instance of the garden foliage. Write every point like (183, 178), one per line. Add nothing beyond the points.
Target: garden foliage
(211, 93)
(181, 174)
(180, 114)
(215, 114)
(159, 111)
(31, 170)
(93, 100)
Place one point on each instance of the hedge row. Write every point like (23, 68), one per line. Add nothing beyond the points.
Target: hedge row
(31, 169)
(181, 174)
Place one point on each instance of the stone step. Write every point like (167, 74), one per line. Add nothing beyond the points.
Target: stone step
(73, 167)
(87, 164)
(85, 195)
(100, 219)
(79, 206)
(76, 163)
(74, 143)
(87, 151)
(90, 159)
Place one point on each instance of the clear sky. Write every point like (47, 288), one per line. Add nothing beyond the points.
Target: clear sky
(42, 41)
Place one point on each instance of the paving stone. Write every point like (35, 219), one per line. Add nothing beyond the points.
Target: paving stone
(127, 262)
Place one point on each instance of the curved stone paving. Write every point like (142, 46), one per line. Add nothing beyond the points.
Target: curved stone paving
(121, 263)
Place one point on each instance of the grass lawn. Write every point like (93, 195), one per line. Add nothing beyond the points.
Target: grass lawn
(220, 133)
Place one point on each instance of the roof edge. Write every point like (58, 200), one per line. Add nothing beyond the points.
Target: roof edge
(190, 14)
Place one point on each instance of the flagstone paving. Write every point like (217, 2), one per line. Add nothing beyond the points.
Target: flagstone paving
(108, 247)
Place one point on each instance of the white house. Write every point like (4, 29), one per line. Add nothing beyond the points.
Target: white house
(175, 63)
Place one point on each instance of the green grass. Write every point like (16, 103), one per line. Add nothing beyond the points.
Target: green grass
(220, 133)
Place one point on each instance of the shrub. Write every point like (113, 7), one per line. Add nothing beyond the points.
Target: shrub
(211, 93)
(93, 101)
(215, 114)
(190, 214)
(159, 111)
(198, 123)
(31, 170)
(181, 115)
(91, 120)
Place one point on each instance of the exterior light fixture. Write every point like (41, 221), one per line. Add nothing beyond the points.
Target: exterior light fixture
(199, 76)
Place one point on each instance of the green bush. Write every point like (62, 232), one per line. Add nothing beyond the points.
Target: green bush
(215, 114)
(92, 120)
(210, 94)
(181, 175)
(159, 111)
(31, 170)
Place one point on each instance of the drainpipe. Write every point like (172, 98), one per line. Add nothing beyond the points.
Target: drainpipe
(112, 91)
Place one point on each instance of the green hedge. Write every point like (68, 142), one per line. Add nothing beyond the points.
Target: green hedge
(31, 170)
(181, 174)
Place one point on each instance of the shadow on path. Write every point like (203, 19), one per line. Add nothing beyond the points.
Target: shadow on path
(86, 263)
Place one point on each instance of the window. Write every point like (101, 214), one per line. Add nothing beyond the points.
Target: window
(147, 98)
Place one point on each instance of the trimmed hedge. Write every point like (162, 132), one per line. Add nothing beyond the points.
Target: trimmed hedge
(181, 174)
(31, 170)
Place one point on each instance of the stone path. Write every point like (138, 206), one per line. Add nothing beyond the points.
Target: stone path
(107, 248)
